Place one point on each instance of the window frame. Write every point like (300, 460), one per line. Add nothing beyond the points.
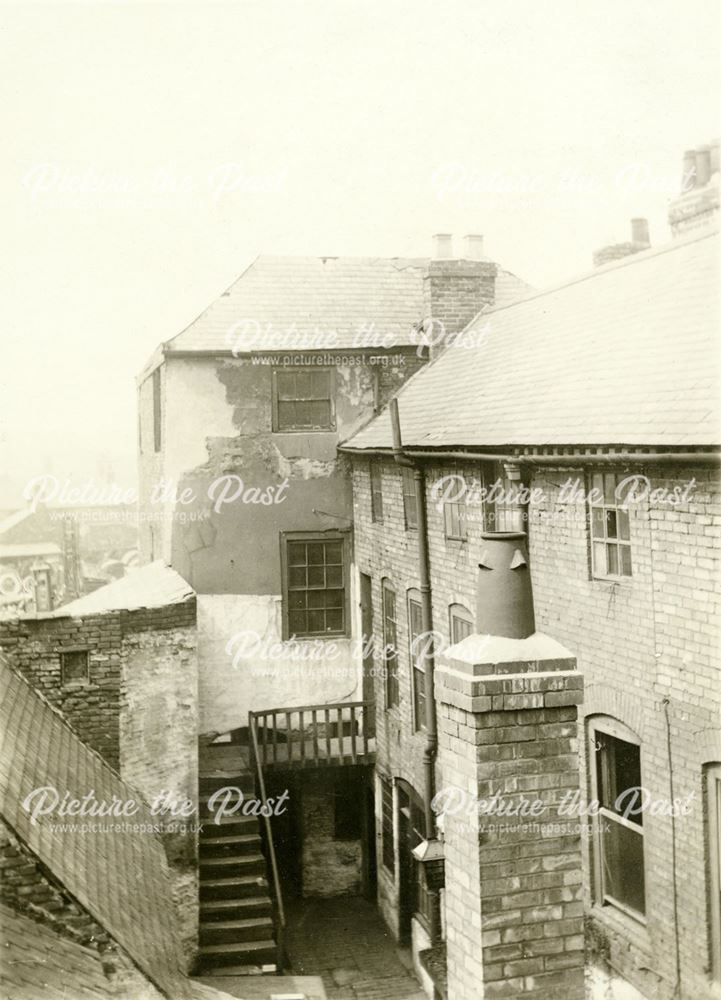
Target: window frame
(605, 540)
(391, 687)
(712, 788)
(616, 730)
(408, 489)
(461, 509)
(299, 370)
(375, 474)
(454, 616)
(69, 681)
(416, 664)
(310, 537)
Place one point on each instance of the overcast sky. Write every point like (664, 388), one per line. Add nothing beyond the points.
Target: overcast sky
(151, 151)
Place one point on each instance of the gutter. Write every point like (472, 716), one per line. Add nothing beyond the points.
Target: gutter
(649, 457)
(430, 750)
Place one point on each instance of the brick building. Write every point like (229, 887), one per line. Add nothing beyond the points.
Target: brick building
(572, 390)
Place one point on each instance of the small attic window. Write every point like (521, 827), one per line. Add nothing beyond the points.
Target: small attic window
(74, 665)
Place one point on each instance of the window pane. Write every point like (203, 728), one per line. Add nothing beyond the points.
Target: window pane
(334, 598)
(597, 485)
(611, 524)
(315, 553)
(597, 522)
(316, 598)
(622, 859)
(296, 553)
(609, 488)
(623, 525)
(286, 415)
(303, 385)
(612, 557)
(334, 553)
(316, 576)
(618, 770)
(297, 600)
(316, 621)
(320, 385)
(599, 558)
(334, 620)
(334, 576)
(285, 382)
(297, 623)
(296, 576)
(625, 560)
(460, 629)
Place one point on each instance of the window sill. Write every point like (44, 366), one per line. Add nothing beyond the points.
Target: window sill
(626, 926)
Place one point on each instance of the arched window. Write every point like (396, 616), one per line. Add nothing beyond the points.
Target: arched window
(616, 785)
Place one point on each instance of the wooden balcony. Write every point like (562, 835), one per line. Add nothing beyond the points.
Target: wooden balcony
(314, 735)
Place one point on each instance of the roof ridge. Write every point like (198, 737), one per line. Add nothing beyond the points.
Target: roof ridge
(633, 258)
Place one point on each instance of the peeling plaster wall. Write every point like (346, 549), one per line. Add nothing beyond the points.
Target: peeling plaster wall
(227, 692)
(158, 750)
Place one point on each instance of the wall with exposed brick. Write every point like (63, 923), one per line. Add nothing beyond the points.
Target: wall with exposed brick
(638, 641)
(34, 646)
(159, 750)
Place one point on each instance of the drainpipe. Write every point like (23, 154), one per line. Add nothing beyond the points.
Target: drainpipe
(430, 751)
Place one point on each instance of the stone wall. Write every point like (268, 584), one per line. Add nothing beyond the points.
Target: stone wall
(331, 867)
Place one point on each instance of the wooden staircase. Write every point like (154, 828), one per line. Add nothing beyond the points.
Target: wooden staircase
(237, 935)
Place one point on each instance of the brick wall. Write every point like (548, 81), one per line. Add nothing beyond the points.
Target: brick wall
(638, 641)
(34, 646)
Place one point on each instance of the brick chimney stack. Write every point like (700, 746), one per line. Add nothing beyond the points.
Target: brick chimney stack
(455, 289)
(699, 202)
(640, 240)
(508, 701)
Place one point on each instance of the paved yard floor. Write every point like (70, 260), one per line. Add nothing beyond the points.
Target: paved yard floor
(345, 941)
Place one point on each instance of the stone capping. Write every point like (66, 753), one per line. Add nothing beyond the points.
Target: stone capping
(512, 693)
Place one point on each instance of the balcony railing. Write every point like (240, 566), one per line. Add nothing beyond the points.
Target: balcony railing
(314, 735)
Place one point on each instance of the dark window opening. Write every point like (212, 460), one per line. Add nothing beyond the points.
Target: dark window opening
(410, 507)
(74, 665)
(303, 399)
(390, 645)
(388, 853)
(418, 672)
(461, 622)
(376, 492)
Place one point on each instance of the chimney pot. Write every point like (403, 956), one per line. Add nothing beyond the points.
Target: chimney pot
(442, 245)
(703, 165)
(688, 181)
(639, 231)
(473, 247)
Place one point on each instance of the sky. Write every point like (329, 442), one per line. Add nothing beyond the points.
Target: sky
(152, 151)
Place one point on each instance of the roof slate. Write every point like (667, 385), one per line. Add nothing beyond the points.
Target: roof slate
(626, 355)
(120, 877)
(318, 303)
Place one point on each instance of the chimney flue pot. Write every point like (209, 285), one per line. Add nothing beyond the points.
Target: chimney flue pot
(473, 247)
(442, 246)
(639, 231)
(703, 165)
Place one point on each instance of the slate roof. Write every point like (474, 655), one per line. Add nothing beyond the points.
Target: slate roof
(152, 586)
(627, 354)
(295, 302)
(37, 962)
(120, 878)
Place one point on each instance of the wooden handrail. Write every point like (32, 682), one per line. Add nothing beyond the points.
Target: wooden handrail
(316, 737)
(280, 932)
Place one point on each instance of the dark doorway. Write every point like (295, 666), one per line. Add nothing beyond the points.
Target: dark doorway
(366, 601)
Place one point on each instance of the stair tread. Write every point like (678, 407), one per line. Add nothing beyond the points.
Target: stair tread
(244, 922)
(235, 880)
(231, 838)
(241, 859)
(240, 947)
(232, 904)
